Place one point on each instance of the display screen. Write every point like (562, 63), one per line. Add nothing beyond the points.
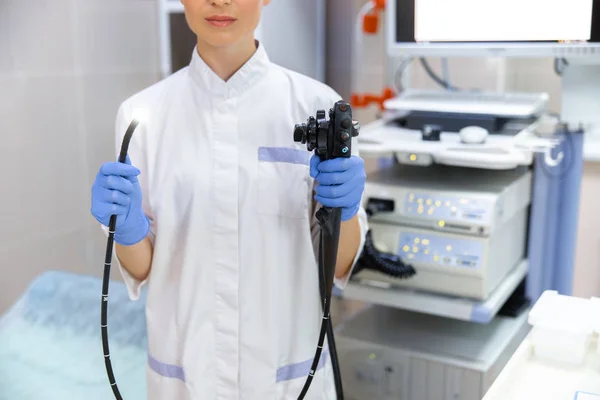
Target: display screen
(497, 21)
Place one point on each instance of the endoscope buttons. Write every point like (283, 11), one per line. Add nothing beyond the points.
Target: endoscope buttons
(344, 136)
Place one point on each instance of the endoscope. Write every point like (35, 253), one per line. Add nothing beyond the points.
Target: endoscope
(328, 139)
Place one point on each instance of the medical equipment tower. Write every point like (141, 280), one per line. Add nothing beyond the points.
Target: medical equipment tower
(435, 338)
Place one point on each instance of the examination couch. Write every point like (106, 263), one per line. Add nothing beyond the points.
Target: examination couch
(51, 347)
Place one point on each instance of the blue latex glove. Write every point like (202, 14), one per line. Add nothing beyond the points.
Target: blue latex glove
(117, 191)
(341, 182)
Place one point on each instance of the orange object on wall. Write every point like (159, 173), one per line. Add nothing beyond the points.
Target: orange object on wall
(370, 25)
(379, 4)
(364, 100)
(371, 20)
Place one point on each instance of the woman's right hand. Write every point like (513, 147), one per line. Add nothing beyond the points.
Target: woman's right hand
(117, 191)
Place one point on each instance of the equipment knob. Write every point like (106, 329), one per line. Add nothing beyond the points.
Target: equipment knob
(344, 149)
(355, 128)
(299, 134)
(346, 123)
(344, 136)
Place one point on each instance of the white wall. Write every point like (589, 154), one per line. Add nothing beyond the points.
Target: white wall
(587, 260)
(278, 31)
(65, 65)
(535, 75)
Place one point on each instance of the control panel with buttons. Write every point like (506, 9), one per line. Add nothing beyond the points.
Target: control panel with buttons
(449, 208)
(434, 249)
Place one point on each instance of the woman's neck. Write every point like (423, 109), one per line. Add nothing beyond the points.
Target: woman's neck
(226, 61)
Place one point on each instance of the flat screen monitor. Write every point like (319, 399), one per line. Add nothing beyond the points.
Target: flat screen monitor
(508, 28)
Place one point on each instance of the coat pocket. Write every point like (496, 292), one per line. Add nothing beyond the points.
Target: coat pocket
(283, 182)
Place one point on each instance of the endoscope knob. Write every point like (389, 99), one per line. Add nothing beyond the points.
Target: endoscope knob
(346, 123)
(355, 128)
(299, 135)
(344, 136)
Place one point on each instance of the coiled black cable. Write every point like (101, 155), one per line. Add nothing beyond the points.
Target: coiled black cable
(372, 258)
(387, 263)
(106, 277)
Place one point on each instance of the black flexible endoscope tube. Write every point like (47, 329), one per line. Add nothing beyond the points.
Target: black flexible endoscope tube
(329, 220)
(335, 365)
(106, 278)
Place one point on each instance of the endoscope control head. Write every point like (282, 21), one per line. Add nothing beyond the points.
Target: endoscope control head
(329, 139)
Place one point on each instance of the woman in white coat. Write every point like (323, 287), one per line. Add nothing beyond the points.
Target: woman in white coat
(216, 216)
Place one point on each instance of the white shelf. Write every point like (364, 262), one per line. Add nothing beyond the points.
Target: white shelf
(435, 304)
(382, 138)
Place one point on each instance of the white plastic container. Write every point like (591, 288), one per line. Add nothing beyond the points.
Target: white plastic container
(563, 327)
(559, 359)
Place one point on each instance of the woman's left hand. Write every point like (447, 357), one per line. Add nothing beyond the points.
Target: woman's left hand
(341, 182)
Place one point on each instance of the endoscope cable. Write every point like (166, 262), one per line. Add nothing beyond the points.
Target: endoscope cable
(106, 278)
(329, 220)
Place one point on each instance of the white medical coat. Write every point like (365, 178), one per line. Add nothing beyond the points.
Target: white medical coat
(233, 307)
